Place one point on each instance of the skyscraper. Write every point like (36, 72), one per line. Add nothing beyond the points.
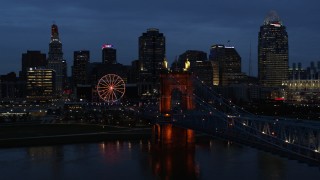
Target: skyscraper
(109, 54)
(192, 56)
(197, 63)
(81, 60)
(226, 65)
(8, 85)
(32, 59)
(40, 84)
(272, 51)
(152, 50)
(56, 61)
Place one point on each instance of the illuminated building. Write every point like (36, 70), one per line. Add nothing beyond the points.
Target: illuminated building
(40, 84)
(152, 49)
(203, 70)
(109, 54)
(303, 85)
(272, 51)
(56, 61)
(81, 60)
(302, 91)
(197, 63)
(226, 65)
(32, 59)
(192, 56)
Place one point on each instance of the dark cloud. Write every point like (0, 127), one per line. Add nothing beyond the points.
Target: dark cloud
(25, 25)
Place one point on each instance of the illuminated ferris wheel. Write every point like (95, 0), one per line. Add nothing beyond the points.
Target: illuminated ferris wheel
(111, 88)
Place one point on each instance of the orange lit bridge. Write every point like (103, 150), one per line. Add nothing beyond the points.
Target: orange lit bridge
(187, 105)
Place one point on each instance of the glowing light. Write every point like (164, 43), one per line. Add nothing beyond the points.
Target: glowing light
(186, 65)
(107, 46)
(276, 25)
(167, 115)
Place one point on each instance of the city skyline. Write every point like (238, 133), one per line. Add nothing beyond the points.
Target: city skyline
(186, 26)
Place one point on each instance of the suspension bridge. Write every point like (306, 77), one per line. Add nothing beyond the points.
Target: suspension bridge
(203, 110)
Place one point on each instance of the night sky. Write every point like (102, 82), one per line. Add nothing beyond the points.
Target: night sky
(86, 25)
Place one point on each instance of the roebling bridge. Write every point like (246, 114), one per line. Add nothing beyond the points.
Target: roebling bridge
(187, 105)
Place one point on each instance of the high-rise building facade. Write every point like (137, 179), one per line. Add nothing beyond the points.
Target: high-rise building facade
(56, 61)
(203, 70)
(40, 84)
(197, 63)
(152, 50)
(81, 60)
(192, 56)
(32, 59)
(272, 51)
(8, 86)
(109, 54)
(226, 65)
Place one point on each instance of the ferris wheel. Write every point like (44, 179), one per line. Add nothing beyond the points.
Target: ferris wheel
(111, 88)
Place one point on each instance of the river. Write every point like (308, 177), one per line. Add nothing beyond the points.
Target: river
(212, 159)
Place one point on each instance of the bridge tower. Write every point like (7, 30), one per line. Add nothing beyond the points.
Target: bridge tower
(166, 133)
(175, 81)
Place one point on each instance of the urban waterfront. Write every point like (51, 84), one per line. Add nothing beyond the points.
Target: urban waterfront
(111, 92)
(214, 159)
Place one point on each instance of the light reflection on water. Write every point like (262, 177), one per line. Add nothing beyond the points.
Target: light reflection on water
(142, 159)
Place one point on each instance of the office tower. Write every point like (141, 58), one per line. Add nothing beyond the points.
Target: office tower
(203, 70)
(32, 59)
(192, 56)
(98, 70)
(226, 65)
(152, 49)
(81, 60)
(272, 51)
(109, 54)
(56, 61)
(8, 86)
(133, 72)
(40, 84)
(197, 63)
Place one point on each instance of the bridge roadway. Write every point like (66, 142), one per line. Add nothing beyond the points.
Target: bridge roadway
(210, 113)
(297, 139)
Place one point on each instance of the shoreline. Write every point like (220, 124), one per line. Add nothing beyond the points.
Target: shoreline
(74, 136)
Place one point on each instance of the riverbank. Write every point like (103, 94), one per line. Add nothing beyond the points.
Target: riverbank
(51, 134)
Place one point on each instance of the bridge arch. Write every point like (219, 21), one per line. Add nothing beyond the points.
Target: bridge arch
(171, 82)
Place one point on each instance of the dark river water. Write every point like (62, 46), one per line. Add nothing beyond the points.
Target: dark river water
(213, 159)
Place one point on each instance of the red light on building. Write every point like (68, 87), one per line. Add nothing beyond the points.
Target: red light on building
(67, 91)
(279, 99)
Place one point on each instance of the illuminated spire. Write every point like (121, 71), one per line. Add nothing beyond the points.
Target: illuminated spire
(272, 18)
(54, 33)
